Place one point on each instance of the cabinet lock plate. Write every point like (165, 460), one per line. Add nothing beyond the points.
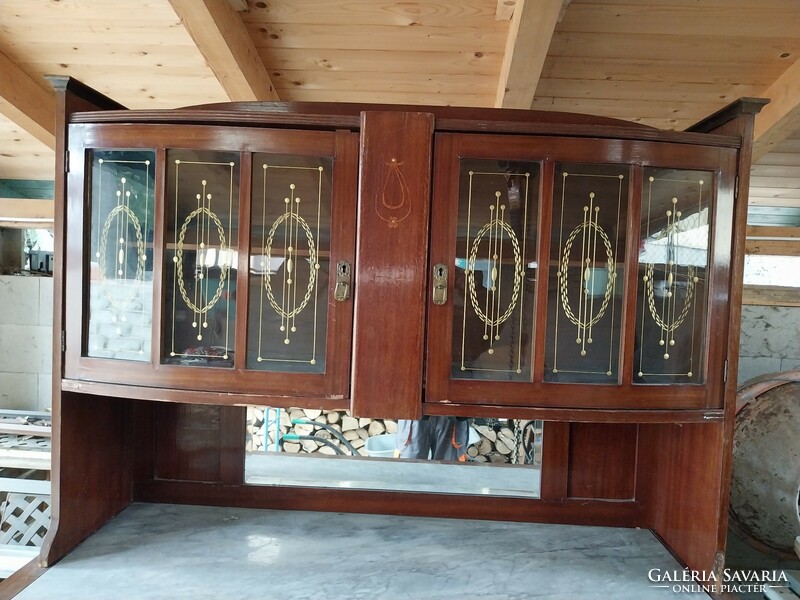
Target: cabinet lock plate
(439, 284)
(342, 290)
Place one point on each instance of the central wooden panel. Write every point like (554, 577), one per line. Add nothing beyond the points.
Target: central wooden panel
(391, 264)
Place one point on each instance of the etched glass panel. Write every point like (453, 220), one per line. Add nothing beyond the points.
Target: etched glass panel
(495, 270)
(673, 276)
(121, 255)
(587, 254)
(295, 447)
(289, 263)
(200, 232)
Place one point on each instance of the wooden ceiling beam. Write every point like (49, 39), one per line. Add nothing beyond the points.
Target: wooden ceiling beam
(529, 34)
(27, 103)
(781, 117)
(220, 35)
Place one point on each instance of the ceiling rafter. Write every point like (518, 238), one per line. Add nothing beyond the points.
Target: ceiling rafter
(222, 38)
(26, 102)
(529, 35)
(781, 117)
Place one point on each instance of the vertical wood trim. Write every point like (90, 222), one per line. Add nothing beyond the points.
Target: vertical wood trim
(391, 264)
(159, 220)
(343, 241)
(243, 266)
(545, 232)
(231, 443)
(555, 461)
(444, 222)
(631, 283)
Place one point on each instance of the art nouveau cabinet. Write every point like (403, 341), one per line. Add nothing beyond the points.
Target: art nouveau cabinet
(400, 262)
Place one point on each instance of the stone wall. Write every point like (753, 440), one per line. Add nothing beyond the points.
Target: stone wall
(26, 340)
(770, 340)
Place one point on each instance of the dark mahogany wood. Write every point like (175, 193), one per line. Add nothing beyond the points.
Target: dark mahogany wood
(196, 442)
(583, 512)
(602, 460)
(391, 264)
(654, 456)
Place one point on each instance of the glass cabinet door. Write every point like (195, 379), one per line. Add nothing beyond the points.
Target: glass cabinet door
(495, 269)
(120, 255)
(290, 267)
(587, 255)
(673, 279)
(201, 236)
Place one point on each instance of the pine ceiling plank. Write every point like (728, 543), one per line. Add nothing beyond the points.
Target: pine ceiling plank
(388, 82)
(723, 49)
(529, 34)
(766, 4)
(592, 68)
(775, 182)
(381, 61)
(624, 108)
(781, 117)
(431, 99)
(701, 20)
(644, 90)
(379, 37)
(779, 159)
(21, 155)
(26, 102)
(25, 209)
(221, 37)
(425, 13)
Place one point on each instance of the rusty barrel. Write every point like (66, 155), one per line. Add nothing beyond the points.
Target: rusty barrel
(765, 485)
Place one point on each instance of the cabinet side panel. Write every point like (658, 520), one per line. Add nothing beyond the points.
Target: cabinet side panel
(391, 264)
(684, 488)
(94, 483)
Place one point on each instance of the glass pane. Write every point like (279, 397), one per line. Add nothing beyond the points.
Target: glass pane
(121, 254)
(495, 270)
(673, 276)
(200, 232)
(587, 254)
(289, 263)
(331, 449)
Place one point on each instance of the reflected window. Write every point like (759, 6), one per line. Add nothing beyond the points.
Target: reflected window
(673, 276)
(331, 449)
(121, 254)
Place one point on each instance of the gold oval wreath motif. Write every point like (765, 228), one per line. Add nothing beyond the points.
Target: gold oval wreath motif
(102, 247)
(563, 268)
(312, 257)
(179, 263)
(651, 302)
(473, 255)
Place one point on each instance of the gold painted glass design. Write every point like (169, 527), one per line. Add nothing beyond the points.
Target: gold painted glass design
(587, 253)
(200, 231)
(289, 263)
(673, 276)
(121, 255)
(495, 270)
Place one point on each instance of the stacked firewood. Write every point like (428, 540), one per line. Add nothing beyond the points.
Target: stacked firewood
(496, 444)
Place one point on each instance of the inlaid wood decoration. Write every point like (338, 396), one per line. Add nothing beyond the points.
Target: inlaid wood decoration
(673, 261)
(495, 270)
(289, 264)
(201, 238)
(587, 253)
(120, 262)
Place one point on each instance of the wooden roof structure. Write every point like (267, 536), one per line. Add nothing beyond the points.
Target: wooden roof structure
(665, 63)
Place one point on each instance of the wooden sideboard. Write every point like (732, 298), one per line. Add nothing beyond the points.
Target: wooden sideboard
(398, 261)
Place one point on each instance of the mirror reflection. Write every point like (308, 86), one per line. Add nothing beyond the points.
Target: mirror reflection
(331, 448)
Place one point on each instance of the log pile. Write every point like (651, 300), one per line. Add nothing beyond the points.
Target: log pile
(496, 443)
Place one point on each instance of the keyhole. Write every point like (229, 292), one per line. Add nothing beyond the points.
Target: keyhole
(343, 269)
(440, 271)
